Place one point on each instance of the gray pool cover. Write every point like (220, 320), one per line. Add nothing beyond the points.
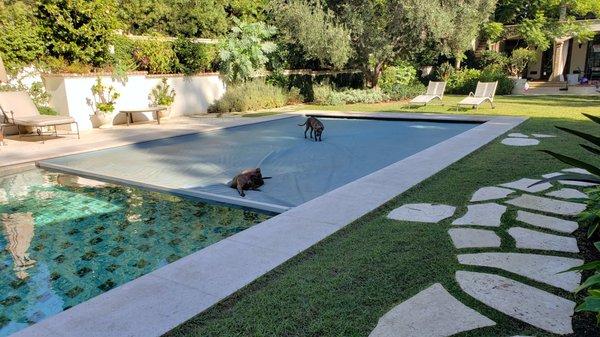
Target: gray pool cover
(201, 164)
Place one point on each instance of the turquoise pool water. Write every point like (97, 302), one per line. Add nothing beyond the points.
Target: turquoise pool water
(66, 239)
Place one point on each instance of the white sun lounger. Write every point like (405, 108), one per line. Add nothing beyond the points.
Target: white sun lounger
(434, 90)
(485, 92)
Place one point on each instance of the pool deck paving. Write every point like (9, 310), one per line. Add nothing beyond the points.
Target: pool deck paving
(157, 302)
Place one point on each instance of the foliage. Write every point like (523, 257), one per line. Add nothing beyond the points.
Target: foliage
(162, 94)
(535, 33)
(294, 96)
(326, 95)
(60, 65)
(193, 57)
(250, 95)
(404, 91)
(36, 91)
(105, 97)
(197, 18)
(519, 59)
(122, 60)
(153, 55)
(306, 82)
(464, 81)
(403, 73)
(243, 53)
(444, 71)
(78, 31)
(20, 42)
(305, 23)
(492, 31)
(493, 60)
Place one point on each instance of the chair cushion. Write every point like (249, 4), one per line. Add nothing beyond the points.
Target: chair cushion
(43, 120)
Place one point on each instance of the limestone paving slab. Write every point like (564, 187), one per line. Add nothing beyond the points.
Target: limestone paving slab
(577, 183)
(567, 193)
(473, 238)
(518, 135)
(549, 222)
(520, 141)
(547, 205)
(552, 175)
(525, 183)
(482, 215)
(490, 193)
(541, 268)
(530, 239)
(432, 312)
(576, 170)
(528, 304)
(422, 213)
(543, 135)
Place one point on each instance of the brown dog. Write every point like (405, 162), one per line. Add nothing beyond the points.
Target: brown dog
(315, 126)
(250, 179)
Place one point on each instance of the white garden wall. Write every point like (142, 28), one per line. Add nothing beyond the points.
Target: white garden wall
(71, 94)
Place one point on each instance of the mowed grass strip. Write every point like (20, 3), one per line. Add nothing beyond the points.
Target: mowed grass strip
(344, 284)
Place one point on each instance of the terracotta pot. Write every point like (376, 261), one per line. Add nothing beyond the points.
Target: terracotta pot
(102, 120)
(165, 114)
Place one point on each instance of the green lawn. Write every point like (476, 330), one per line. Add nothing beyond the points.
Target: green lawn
(341, 286)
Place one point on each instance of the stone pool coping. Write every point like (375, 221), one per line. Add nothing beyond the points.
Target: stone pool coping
(159, 301)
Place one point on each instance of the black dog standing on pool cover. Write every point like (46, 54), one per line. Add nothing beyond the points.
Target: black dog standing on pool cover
(315, 126)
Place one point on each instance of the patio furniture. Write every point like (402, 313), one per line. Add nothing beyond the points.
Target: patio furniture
(485, 91)
(435, 90)
(18, 110)
(156, 110)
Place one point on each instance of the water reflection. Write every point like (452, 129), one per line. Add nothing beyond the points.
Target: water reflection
(18, 230)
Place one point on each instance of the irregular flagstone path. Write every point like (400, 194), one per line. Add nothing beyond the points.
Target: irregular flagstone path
(548, 222)
(482, 215)
(547, 205)
(523, 185)
(577, 183)
(432, 312)
(422, 213)
(552, 175)
(542, 135)
(520, 141)
(542, 268)
(528, 304)
(567, 193)
(490, 193)
(529, 239)
(518, 135)
(473, 238)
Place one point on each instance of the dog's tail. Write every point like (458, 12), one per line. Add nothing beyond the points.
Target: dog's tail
(267, 177)
(302, 124)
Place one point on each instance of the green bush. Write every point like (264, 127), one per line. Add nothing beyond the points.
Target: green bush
(402, 92)
(122, 60)
(294, 96)
(248, 96)
(193, 57)
(20, 42)
(154, 56)
(326, 95)
(399, 74)
(464, 81)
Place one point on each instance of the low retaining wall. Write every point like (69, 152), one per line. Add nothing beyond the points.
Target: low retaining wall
(71, 95)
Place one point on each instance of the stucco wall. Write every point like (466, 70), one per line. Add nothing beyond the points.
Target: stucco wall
(578, 56)
(71, 94)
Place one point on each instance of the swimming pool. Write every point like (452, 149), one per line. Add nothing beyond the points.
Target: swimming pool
(201, 164)
(66, 239)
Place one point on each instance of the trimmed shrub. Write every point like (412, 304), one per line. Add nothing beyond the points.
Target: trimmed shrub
(402, 92)
(193, 57)
(400, 82)
(464, 81)
(154, 56)
(325, 95)
(248, 96)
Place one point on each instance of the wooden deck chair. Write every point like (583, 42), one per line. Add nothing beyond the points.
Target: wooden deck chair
(485, 92)
(17, 108)
(435, 90)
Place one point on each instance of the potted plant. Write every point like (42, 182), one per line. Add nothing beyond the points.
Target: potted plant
(517, 62)
(105, 99)
(162, 95)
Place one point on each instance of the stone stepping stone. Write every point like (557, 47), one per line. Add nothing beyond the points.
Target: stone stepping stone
(525, 303)
(576, 170)
(547, 205)
(473, 238)
(520, 141)
(523, 185)
(490, 193)
(542, 268)
(422, 213)
(542, 135)
(549, 222)
(432, 312)
(530, 239)
(568, 193)
(552, 175)
(577, 183)
(482, 215)
(518, 135)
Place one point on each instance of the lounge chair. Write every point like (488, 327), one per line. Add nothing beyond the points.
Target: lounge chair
(18, 109)
(485, 92)
(434, 90)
